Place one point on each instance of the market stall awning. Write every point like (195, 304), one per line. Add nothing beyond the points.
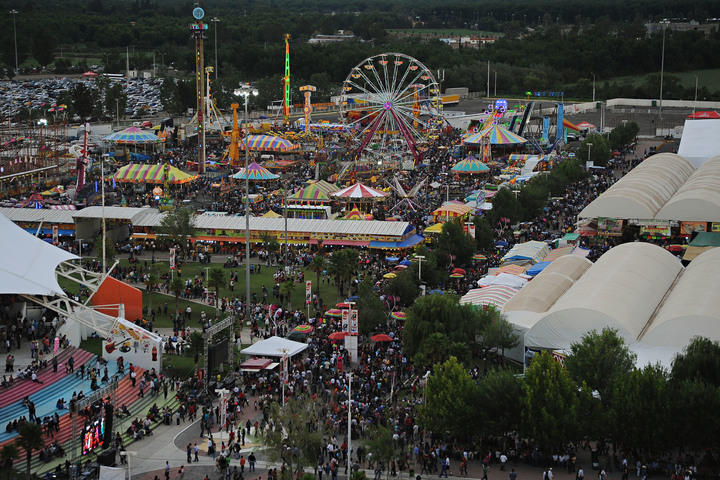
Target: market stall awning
(147, 173)
(496, 296)
(407, 243)
(452, 210)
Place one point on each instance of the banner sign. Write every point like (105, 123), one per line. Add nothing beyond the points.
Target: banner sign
(172, 259)
(308, 292)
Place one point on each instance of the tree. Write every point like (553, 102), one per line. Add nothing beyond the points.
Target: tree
(371, 310)
(500, 334)
(699, 361)
(454, 245)
(450, 396)
(382, 447)
(599, 151)
(178, 225)
(151, 281)
(286, 290)
(43, 47)
(177, 287)
(499, 402)
(83, 100)
(31, 438)
(404, 285)
(460, 326)
(296, 436)
(549, 404)
(640, 411)
(270, 242)
(318, 265)
(110, 251)
(8, 454)
(342, 265)
(216, 279)
(599, 359)
(484, 238)
(505, 205)
(623, 135)
(115, 100)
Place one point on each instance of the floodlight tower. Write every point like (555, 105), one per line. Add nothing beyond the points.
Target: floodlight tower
(286, 82)
(307, 109)
(198, 29)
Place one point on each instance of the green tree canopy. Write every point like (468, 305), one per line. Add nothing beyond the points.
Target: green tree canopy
(700, 361)
(499, 402)
(450, 400)
(599, 151)
(484, 238)
(178, 225)
(498, 333)
(454, 245)
(216, 280)
(550, 401)
(31, 438)
(599, 359)
(371, 310)
(405, 286)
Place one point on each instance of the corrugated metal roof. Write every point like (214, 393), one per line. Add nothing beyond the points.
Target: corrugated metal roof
(233, 222)
(37, 215)
(119, 213)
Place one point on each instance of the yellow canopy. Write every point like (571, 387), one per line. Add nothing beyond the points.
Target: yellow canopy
(271, 214)
(437, 228)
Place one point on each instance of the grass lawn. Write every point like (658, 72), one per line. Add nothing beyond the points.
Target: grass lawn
(706, 78)
(92, 345)
(328, 291)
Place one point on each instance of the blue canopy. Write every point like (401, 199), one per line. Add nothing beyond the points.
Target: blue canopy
(406, 262)
(501, 243)
(392, 259)
(537, 268)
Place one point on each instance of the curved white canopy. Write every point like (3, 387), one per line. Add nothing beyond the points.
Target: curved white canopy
(699, 198)
(28, 263)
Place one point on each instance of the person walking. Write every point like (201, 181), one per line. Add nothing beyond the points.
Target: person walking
(167, 470)
(512, 475)
(196, 450)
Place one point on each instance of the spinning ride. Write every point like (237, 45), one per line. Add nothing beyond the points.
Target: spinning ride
(391, 104)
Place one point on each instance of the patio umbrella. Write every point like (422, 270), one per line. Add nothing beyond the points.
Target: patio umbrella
(392, 259)
(585, 125)
(400, 267)
(479, 256)
(398, 315)
(333, 312)
(704, 114)
(256, 172)
(461, 271)
(342, 305)
(381, 337)
(389, 275)
(406, 262)
(436, 292)
(336, 336)
(303, 329)
(457, 275)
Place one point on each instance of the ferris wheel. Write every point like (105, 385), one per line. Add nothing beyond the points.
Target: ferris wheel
(390, 104)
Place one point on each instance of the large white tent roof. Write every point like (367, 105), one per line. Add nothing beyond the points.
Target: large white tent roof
(621, 290)
(693, 306)
(275, 347)
(698, 199)
(642, 193)
(28, 263)
(700, 140)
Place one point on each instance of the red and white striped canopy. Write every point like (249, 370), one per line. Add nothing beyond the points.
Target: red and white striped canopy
(496, 295)
(359, 191)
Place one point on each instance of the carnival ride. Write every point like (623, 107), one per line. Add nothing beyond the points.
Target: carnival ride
(407, 197)
(391, 105)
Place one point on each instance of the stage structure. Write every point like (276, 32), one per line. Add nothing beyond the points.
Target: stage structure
(229, 322)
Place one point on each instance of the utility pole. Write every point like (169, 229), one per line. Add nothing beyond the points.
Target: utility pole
(662, 66)
(488, 80)
(495, 90)
(14, 12)
(593, 87)
(695, 101)
(349, 440)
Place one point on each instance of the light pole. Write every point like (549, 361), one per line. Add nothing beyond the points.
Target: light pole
(664, 23)
(420, 260)
(349, 440)
(246, 91)
(215, 20)
(695, 101)
(104, 230)
(589, 145)
(593, 87)
(14, 12)
(127, 454)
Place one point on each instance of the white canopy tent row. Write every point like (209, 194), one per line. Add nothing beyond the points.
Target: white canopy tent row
(275, 347)
(639, 289)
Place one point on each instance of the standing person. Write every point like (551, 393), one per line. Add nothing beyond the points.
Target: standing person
(167, 470)
(196, 450)
(513, 474)
(580, 474)
(485, 471)
(503, 461)
(251, 460)
(189, 452)
(54, 364)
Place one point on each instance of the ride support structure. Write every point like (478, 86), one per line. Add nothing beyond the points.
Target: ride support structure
(198, 29)
(307, 91)
(286, 82)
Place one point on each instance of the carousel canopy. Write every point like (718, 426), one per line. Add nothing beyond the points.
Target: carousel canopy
(311, 193)
(132, 135)
(359, 191)
(470, 165)
(356, 214)
(495, 135)
(146, 173)
(268, 143)
(256, 172)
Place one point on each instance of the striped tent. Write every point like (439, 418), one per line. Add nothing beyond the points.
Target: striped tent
(268, 143)
(495, 135)
(558, 252)
(316, 192)
(512, 269)
(256, 172)
(451, 210)
(147, 173)
(496, 296)
(359, 191)
(356, 214)
(133, 136)
(470, 165)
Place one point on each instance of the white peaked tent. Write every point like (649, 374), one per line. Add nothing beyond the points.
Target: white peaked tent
(275, 347)
(28, 263)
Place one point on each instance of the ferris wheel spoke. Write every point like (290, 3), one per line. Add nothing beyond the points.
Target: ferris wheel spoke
(414, 81)
(369, 125)
(406, 134)
(368, 82)
(382, 85)
(407, 123)
(378, 88)
(395, 69)
(410, 119)
(359, 120)
(365, 91)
